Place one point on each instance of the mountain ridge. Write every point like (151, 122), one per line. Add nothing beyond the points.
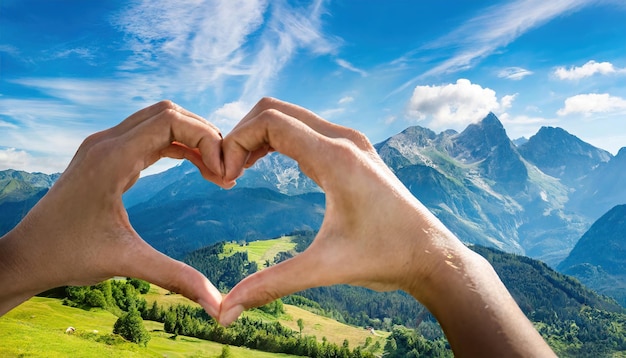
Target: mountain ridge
(482, 186)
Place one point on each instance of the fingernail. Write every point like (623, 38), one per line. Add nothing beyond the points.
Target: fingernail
(231, 315)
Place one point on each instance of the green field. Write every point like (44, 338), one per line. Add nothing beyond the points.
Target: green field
(37, 329)
(314, 325)
(262, 250)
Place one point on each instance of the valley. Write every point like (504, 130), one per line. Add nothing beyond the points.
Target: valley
(551, 201)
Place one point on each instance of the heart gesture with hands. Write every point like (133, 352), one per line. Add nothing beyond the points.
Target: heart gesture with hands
(374, 234)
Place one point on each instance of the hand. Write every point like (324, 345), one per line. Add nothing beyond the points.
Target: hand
(369, 212)
(79, 233)
(374, 234)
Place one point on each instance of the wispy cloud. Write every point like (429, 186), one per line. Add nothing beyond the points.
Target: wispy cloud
(348, 66)
(514, 73)
(44, 133)
(342, 107)
(10, 50)
(587, 70)
(346, 99)
(209, 50)
(206, 44)
(91, 94)
(495, 28)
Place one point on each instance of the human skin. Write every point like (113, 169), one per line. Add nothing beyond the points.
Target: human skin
(79, 233)
(375, 234)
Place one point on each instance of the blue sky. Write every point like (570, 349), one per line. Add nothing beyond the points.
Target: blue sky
(70, 68)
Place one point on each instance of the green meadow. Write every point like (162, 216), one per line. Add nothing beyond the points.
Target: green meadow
(262, 250)
(37, 329)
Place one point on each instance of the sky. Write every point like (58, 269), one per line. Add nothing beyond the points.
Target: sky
(71, 68)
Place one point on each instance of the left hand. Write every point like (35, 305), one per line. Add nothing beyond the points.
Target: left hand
(79, 232)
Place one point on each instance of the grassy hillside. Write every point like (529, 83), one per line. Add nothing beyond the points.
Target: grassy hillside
(37, 329)
(262, 250)
(314, 325)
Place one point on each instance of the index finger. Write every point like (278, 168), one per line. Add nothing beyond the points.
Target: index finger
(288, 129)
(151, 138)
(275, 129)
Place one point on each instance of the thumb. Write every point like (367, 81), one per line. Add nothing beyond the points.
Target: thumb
(153, 266)
(293, 275)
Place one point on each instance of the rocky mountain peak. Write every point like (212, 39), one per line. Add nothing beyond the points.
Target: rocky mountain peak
(487, 144)
(478, 140)
(562, 155)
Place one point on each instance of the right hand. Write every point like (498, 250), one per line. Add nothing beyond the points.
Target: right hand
(369, 212)
(374, 234)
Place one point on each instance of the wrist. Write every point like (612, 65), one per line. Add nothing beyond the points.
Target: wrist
(15, 272)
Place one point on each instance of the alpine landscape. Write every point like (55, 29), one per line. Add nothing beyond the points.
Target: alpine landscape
(505, 118)
(529, 208)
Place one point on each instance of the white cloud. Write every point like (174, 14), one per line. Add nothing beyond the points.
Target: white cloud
(10, 50)
(507, 101)
(230, 114)
(587, 70)
(342, 107)
(593, 103)
(346, 99)
(97, 93)
(514, 73)
(389, 119)
(496, 27)
(51, 130)
(11, 158)
(348, 66)
(81, 52)
(455, 105)
(205, 43)
(7, 125)
(206, 52)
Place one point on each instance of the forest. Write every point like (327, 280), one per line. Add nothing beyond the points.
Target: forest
(574, 320)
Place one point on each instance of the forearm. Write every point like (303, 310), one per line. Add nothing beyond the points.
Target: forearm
(30, 259)
(474, 308)
(15, 274)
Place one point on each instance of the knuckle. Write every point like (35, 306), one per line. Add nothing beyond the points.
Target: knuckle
(358, 138)
(267, 116)
(166, 104)
(267, 103)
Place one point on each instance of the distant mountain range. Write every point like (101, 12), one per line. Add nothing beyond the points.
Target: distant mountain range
(536, 199)
(19, 192)
(599, 258)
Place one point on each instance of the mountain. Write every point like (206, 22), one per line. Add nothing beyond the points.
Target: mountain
(487, 145)
(19, 192)
(191, 213)
(274, 171)
(562, 155)
(599, 257)
(537, 199)
(484, 190)
(478, 182)
(602, 188)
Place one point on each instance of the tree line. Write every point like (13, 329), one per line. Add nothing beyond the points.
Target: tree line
(248, 332)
